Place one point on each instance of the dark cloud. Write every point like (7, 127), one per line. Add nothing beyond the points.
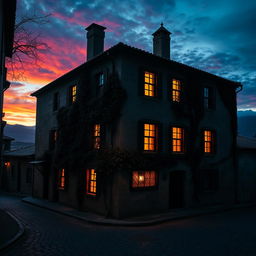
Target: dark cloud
(215, 36)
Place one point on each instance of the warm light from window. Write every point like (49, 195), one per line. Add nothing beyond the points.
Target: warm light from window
(176, 90)
(149, 84)
(62, 179)
(7, 164)
(91, 182)
(150, 137)
(96, 136)
(208, 141)
(143, 179)
(73, 93)
(177, 139)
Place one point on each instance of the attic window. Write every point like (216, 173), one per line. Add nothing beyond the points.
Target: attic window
(208, 142)
(150, 137)
(149, 84)
(143, 179)
(177, 139)
(176, 90)
(91, 179)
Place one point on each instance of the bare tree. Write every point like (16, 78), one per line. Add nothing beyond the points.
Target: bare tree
(27, 45)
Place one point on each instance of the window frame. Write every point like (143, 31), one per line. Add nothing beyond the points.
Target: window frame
(88, 181)
(183, 139)
(62, 175)
(95, 137)
(142, 188)
(210, 98)
(213, 141)
(180, 91)
(157, 136)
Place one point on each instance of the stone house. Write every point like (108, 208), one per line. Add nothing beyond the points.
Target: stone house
(130, 132)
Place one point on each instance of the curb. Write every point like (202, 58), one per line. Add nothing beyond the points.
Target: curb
(17, 236)
(114, 222)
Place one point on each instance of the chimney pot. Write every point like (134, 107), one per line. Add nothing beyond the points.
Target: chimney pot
(95, 40)
(161, 42)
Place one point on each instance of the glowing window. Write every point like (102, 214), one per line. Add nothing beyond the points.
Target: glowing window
(7, 164)
(150, 137)
(73, 90)
(142, 179)
(208, 141)
(96, 136)
(176, 90)
(62, 179)
(149, 84)
(177, 139)
(91, 178)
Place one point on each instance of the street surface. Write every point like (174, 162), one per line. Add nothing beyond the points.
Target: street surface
(230, 233)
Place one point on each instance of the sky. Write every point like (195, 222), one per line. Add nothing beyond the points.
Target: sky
(213, 35)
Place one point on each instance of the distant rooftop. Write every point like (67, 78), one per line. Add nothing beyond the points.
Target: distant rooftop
(24, 151)
(246, 142)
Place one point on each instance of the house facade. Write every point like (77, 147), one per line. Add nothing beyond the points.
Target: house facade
(130, 132)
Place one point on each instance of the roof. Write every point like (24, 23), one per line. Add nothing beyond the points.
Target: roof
(7, 138)
(26, 151)
(162, 29)
(121, 46)
(246, 142)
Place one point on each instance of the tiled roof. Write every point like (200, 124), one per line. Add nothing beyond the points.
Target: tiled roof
(122, 46)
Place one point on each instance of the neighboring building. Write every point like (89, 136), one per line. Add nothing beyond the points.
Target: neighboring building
(18, 170)
(131, 132)
(7, 21)
(247, 169)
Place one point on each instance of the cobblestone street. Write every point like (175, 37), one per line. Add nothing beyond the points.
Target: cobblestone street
(48, 233)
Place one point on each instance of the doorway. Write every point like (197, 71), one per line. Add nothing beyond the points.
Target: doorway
(176, 192)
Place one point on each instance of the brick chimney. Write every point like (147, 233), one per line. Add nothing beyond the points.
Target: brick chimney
(95, 40)
(161, 42)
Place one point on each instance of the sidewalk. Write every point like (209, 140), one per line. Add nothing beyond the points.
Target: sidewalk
(135, 221)
(12, 228)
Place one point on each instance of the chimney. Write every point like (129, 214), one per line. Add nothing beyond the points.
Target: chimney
(95, 40)
(161, 42)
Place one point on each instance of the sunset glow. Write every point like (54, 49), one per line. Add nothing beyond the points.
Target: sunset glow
(196, 40)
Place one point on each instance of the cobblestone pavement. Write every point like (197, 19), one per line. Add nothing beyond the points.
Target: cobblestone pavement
(231, 233)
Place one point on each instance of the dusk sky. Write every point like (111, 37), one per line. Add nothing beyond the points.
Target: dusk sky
(216, 36)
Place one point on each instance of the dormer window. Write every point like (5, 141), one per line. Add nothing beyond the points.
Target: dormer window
(150, 84)
(176, 90)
